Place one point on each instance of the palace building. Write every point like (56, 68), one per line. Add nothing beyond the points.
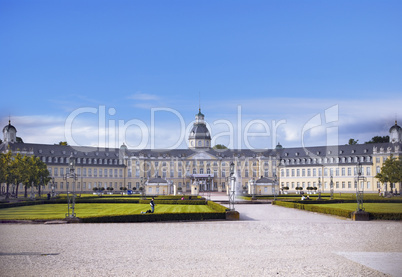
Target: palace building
(165, 171)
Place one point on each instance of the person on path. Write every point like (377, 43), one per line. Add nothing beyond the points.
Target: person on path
(152, 205)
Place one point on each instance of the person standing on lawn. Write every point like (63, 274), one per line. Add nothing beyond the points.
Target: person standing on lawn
(152, 205)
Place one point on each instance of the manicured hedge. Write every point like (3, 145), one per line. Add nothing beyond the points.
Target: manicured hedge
(385, 216)
(97, 199)
(175, 202)
(324, 210)
(30, 203)
(217, 207)
(336, 211)
(154, 217)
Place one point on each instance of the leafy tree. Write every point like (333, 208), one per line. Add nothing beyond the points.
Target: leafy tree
(391, 171)
(20, 166)
(352, 141)
(220, 146)
(378, 139)
(43, 174)
(7, 171)
(18, 169)
(30, 169)
(63, 143)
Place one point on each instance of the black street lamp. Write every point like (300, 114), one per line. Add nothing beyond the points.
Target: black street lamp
(71, 196)
(359, 184)
(331, 187)
(232, 187)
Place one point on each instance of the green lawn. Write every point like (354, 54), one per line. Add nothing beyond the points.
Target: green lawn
(369, 207)
(58, 211)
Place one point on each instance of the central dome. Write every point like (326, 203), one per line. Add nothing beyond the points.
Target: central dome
(200, 136)
(199, 132)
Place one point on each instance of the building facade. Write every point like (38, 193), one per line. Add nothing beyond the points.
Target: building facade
(287, 167)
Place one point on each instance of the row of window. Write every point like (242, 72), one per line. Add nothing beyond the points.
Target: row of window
(327, 172)
(87, 172)
(337, 185)
(118, 173)
(82, 160)
(115, 185)
(326, 160)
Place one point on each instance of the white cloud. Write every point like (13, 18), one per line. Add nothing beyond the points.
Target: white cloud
(359, 119)
(143, 96)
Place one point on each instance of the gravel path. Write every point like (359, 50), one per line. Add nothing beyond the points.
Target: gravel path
(267, 241)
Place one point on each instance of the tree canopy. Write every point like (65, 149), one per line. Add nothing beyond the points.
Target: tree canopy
(391, 171)
(352, 141)
(378, 139)
(220, 146)
(18, 169)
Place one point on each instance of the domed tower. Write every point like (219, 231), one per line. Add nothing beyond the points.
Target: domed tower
(200, 137)
(10, 133)
(395, 134)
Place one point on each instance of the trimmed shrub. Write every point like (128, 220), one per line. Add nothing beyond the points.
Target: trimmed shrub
(217, 207)
(386, 216)
(175, 202)
(154, 217)
(324, 210)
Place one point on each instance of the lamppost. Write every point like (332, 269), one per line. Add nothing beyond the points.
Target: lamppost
(209, 187)
(274, 191)
(253, 188)
(71, 196)
(32, 192)
(53, 194)
(319, 183)
(232, 187)
(331, 187)
(359, 184)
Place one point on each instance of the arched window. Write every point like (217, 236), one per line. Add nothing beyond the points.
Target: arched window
(199, 143)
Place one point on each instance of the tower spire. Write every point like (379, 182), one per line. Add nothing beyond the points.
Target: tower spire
(199, 101)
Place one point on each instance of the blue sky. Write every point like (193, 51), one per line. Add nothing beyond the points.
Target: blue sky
(260, 63)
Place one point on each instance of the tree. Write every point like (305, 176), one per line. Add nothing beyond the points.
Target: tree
(30, 169)
(219, 146)
(352, 141)
(43, 174)
(378, 139)
(391, 171)
(63, 143)
(7, 171)
(20, 165)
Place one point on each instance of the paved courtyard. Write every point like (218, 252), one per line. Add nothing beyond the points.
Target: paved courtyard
(267, 241)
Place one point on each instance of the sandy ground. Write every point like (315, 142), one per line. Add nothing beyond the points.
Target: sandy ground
(267, 241)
